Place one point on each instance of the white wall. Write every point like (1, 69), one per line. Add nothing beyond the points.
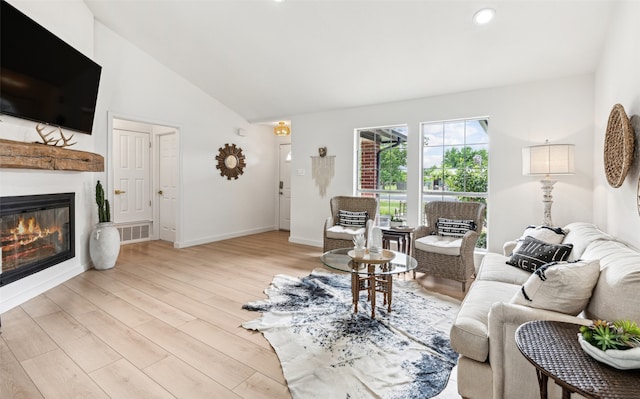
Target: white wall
(211, 207)
(55, 17)
(617, 80)
(559, 110)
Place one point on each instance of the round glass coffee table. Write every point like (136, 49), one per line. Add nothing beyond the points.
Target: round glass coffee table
(369, 274)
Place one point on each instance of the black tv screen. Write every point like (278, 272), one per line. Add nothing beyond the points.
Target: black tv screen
(42, 78)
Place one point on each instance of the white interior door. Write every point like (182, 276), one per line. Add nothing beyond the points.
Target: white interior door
(285, 187)
(168, 185)
(131, 176)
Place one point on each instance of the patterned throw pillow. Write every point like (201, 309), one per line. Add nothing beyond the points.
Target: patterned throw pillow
(454, 227)
(552, 235)
(563, 287)
(531, 253)
(352, 219)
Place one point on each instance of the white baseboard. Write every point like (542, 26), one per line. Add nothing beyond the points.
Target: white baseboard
(191, 243)
(302, 241)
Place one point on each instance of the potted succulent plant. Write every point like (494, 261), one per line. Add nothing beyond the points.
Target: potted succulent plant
(616, 344)
(104, 244)
(396, 220)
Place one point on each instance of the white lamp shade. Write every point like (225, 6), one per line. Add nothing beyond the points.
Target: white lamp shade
(548, 159)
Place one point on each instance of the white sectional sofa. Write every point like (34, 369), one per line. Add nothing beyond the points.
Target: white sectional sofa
(490, 364)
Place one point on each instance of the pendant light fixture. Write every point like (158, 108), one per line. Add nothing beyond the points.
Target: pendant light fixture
(281, 129)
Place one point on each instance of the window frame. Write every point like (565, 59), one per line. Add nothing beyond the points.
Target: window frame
(383, 195)
(444, 146)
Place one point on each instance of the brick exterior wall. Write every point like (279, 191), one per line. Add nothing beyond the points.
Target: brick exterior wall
(368, 167)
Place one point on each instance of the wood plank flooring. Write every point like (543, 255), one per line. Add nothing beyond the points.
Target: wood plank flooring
(164, 323)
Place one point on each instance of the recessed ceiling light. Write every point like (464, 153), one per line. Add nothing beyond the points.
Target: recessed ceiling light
(484, 16)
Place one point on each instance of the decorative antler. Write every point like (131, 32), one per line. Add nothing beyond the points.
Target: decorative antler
(46, 140)
(66, 140)
(45, 137)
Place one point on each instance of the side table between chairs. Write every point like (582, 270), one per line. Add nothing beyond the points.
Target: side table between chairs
(400, 235)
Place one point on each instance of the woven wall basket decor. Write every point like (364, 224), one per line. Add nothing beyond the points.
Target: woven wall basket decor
(618, 146)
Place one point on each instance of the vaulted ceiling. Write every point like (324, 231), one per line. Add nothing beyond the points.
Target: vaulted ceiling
(269, 60)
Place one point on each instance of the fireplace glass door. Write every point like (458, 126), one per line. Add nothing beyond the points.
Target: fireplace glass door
(36, 232)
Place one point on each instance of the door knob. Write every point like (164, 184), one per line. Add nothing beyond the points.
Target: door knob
(160, 192)
(120, 192)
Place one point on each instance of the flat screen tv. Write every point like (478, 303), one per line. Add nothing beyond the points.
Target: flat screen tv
(42, 78)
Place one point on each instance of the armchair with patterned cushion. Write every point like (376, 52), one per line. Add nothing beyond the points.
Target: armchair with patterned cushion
(350, 216)
(445, 246)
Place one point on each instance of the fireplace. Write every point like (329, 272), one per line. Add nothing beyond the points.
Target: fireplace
(36, 232)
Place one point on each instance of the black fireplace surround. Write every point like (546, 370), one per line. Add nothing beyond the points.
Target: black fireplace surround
(36, 232)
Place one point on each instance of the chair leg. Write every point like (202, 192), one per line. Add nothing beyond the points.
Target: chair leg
(464, 286)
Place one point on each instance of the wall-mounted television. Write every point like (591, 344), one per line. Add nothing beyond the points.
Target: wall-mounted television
(42, 78)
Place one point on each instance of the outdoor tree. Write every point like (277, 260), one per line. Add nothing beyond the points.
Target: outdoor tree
(469, 170)
(463, 169)
(393, 162)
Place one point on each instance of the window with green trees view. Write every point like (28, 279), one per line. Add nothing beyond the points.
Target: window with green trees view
(455, 162)
(382, 168)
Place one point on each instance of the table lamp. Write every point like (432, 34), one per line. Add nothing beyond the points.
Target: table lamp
(548, 160)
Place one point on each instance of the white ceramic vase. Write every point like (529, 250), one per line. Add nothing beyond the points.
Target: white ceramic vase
(104, 245)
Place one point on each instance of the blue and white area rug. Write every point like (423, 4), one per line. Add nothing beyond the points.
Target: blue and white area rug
(327, 351)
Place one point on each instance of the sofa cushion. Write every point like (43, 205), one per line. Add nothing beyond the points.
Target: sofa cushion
(454, 227)
(582, 234)
(470, 332)
(352, 219)
(615, 294)
(344, 233)
(493, 268)
(531, 253)
(552, 235)
(439, 244)
(563, 287)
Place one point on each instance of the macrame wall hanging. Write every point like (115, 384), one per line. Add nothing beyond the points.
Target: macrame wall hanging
(322, 169)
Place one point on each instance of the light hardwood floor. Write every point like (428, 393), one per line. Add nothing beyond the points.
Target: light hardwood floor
(163, 323)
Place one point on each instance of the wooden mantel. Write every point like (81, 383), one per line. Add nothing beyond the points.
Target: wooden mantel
(18, 155)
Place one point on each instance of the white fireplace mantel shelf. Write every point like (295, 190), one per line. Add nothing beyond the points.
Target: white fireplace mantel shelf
(19, 155)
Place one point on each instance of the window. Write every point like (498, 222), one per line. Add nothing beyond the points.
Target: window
(455, 162)
(382, 168)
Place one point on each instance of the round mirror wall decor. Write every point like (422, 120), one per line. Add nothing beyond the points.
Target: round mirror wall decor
(230, 161)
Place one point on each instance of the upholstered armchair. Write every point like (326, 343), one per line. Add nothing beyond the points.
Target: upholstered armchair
(358, 216)
(444, 248)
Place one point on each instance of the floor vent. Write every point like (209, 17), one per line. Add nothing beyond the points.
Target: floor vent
(135, 233)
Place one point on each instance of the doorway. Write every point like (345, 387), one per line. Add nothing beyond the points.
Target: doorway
(168, 185)
(145, 179)
(284, 187)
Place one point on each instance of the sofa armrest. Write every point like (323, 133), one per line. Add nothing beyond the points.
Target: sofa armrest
(512, 373)
(508, 247)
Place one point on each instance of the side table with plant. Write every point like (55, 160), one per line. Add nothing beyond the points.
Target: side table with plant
(104, 244)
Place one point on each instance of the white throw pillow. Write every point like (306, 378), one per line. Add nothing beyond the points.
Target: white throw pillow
(563, 287)
(551, 235)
